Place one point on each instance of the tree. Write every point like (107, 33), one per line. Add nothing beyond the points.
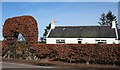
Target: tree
(42, 40)
(49, 26)
(46, 30)
(110, 17)
(106, 19)
(103, 20)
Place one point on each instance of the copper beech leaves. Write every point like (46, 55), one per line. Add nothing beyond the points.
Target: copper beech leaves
(80, 53)
(26, 25)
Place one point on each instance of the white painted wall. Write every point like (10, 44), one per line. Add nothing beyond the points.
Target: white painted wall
(84, 40)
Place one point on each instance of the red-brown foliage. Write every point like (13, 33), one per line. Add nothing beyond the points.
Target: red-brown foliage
(26, 25)
(92, 53)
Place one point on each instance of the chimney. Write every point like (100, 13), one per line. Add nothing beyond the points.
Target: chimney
(113, 24)
(53, 24)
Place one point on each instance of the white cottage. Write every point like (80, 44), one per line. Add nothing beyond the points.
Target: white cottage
(83, 34)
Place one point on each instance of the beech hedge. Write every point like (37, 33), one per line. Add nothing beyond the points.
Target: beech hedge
(80, 53)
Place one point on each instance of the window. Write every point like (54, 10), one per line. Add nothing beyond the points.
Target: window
(97, 40)
(100, 41)
(60, 41)
(103, 40)
(79, 42)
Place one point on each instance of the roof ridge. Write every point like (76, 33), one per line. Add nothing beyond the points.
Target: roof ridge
(82, 26)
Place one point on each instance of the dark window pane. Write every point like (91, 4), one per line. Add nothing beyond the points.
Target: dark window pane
(79, 42)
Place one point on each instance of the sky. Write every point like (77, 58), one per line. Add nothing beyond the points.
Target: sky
(119, 13)
(65, 13)
(60, 0)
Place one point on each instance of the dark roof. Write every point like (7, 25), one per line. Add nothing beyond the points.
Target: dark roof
(82, 32)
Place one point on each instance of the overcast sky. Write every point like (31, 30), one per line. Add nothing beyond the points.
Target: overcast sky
(65, 13)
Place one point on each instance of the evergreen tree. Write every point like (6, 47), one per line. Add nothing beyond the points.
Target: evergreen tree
(103, 20)
(106, 19)
(46, 30)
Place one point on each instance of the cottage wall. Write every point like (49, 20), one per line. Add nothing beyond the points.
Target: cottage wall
(83, 40)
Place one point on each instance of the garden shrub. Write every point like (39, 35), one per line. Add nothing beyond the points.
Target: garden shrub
(81, 53)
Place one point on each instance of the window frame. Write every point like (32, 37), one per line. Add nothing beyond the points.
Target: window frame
(60, 41)
(101, 41)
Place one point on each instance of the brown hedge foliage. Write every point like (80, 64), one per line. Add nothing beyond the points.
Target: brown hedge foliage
(26, 25)
(80, 53)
